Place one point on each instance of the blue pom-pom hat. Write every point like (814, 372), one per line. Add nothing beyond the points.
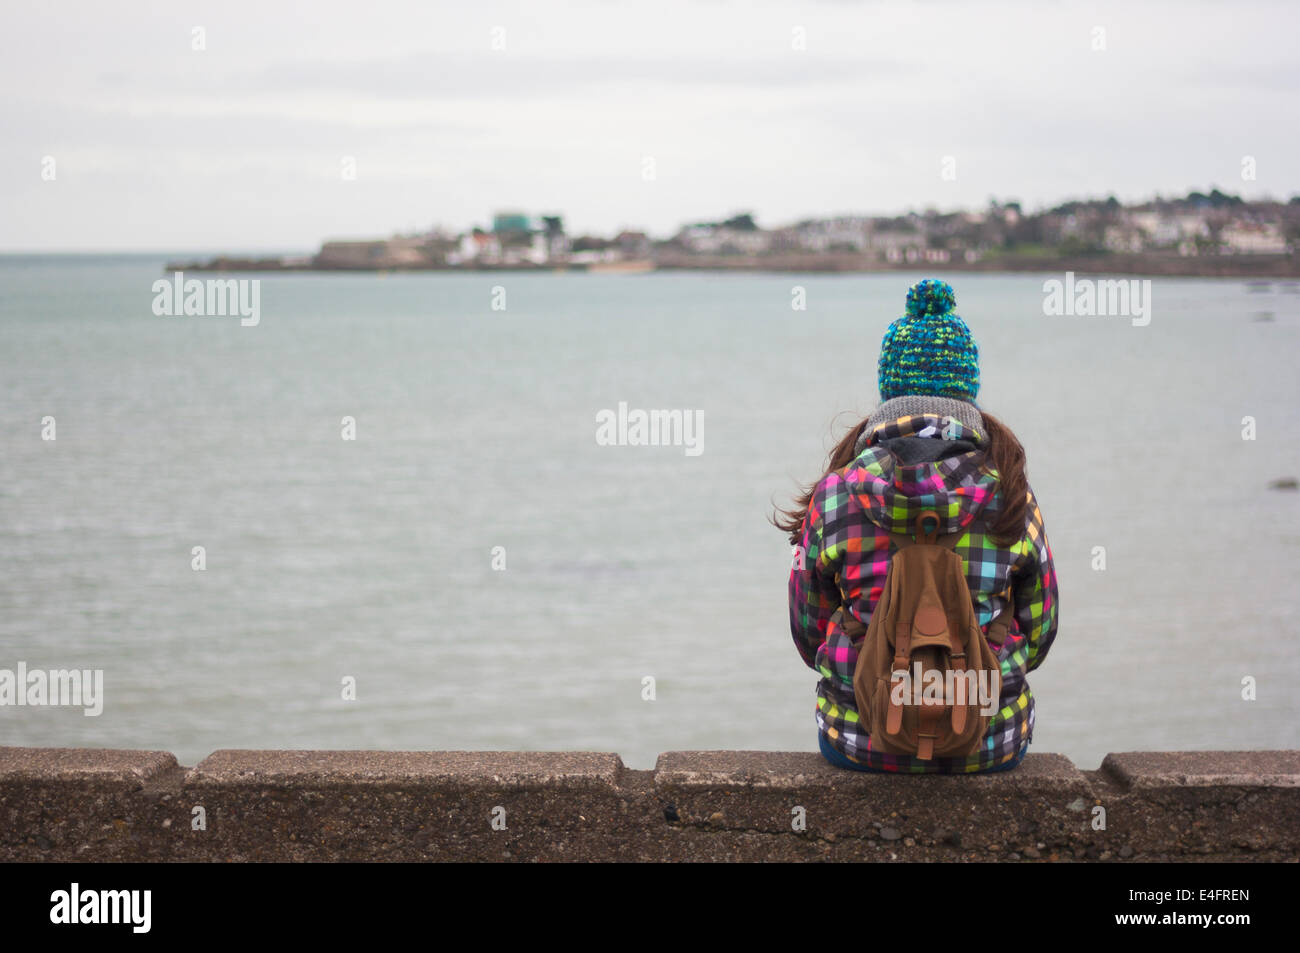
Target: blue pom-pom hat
(929, 351)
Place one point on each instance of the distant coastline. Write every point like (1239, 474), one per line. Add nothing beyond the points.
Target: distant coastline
(1152, 265)
(1200, 234)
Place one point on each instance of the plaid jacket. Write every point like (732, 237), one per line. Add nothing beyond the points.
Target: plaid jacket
(844, 555)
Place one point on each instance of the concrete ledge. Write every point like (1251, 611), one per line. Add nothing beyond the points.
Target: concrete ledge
(498, 769)
(86, 804)
(798, 770)
(891, 817)
(1205, 769)
(102, 767)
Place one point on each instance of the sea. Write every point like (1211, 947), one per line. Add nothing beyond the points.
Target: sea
(383, 515)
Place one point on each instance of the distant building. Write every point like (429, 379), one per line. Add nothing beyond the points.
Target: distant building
(504, 222)
(842, 234)
(384, 253)
(1123, 238)
(557, 243)
(700, 239)
(1167, 231)
(633, 245)
(738, 235)
(894, 246)
(1245, 238)
(538, 252)
(1191, 226)
(478, 246)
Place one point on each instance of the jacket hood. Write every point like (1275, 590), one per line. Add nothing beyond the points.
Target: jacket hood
(922, 462)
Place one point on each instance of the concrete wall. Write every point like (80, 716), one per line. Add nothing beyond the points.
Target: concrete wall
(96, 805)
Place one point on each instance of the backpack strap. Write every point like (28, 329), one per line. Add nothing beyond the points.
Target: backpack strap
(902, 653)
(927, 730)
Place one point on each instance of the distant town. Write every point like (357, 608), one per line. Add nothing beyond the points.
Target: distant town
(1210, 233)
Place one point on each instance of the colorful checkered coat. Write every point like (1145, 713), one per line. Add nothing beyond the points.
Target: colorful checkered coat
(844, 555)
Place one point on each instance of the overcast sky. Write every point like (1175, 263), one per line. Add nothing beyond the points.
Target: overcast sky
(643, 115)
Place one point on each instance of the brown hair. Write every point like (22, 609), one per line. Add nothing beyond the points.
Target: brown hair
(1004, 453)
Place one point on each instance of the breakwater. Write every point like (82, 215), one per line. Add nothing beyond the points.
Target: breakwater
(78, 804)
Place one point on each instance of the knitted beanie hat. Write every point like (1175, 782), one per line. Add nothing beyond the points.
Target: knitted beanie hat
(929, 351)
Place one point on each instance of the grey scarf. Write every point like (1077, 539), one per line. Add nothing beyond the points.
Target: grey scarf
(964, 413)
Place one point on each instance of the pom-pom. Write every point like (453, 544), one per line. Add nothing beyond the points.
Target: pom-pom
(930, 296)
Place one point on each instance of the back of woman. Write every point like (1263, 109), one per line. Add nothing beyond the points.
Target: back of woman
(927, 447)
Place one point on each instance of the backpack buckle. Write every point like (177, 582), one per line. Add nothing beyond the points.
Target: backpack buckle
(930, 535)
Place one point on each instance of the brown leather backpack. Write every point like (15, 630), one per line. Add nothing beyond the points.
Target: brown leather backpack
(923, 658)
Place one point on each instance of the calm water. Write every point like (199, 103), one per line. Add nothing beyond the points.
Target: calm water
(372, 558)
